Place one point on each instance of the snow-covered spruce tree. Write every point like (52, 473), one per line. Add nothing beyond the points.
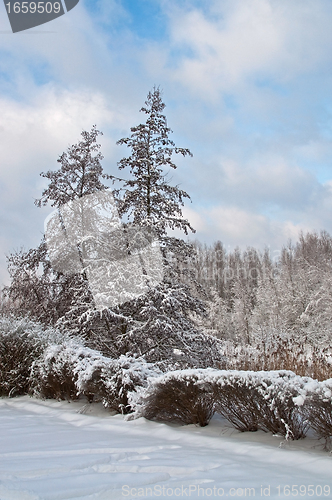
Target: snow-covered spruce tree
(163, 331)
(148, 197)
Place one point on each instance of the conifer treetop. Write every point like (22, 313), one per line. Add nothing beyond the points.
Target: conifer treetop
(80, 173)
(148, 198)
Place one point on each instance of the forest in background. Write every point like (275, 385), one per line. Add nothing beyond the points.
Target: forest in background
(256, 298)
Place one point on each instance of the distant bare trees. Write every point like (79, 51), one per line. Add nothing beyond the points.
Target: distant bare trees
(254, 297)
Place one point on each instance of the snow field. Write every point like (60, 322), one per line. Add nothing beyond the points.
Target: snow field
(54, 450)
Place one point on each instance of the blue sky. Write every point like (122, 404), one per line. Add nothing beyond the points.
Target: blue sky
(247, 87)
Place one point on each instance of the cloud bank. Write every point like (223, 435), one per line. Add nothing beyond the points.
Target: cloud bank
(247, 87)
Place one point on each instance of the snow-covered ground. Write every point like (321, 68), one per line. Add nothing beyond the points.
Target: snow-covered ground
(59, 450)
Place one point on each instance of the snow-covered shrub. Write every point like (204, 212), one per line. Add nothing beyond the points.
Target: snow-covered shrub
(181, 396)
(249, 400)
(53, 374)
(21, 343)
(280, 393)
(237, 399)
(70, 370)
(316, 403)
(111, 380)
(261, 400)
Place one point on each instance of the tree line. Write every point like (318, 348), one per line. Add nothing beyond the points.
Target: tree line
(255, 297)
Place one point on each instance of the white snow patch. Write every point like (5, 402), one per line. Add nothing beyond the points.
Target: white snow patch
(54, 450)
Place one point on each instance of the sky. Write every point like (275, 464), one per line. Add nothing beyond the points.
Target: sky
(247, 87)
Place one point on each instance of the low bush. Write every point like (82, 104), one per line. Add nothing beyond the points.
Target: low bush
(70, 370)
(21, 343)
(261, 400)
(238, 400)
(179, 396)
(112, 380)
(53, 374)
(249, 400)
(316, 403)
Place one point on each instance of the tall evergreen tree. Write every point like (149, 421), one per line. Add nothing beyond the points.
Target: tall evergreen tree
(148, 197)
(163, 330)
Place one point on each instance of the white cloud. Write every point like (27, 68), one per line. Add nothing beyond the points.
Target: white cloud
(241, 41)
(262, 182)
(252, 178)
(236, 227)
(223, 55)
(32, 136)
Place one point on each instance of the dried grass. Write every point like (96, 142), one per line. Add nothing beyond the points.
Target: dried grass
(298, 356)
